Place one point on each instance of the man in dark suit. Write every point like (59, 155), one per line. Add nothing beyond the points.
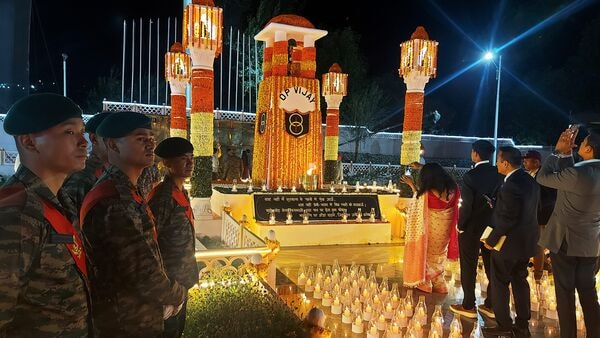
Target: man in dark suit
(475, 214)
(514, 216)
(532, 161)
(573, 231)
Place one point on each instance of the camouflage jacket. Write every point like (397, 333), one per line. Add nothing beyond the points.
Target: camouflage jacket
(148, 180)
(128, 282)
(175, 232)
(78, 184)
(42, 294)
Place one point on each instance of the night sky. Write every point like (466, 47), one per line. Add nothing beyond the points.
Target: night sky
(90, 33)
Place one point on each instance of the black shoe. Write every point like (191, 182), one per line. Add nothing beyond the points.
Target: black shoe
(521, 332)
(497, 332)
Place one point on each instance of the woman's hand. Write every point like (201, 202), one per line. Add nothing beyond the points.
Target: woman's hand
(409, 180)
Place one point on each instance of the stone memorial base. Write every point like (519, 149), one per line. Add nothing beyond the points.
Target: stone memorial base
(327, 233)
(317, 232)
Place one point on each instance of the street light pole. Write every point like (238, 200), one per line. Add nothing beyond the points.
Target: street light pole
(64, 57)
(498, 74)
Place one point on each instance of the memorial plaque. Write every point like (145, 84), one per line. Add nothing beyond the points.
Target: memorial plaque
(320, 207)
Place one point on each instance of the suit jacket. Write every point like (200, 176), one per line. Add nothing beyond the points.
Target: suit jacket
(547, 201)
(515, 216)
(576, 216)
(475, 213)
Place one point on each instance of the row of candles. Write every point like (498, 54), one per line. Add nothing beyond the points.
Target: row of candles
(357, 187)
(371, 307)
(343, 219)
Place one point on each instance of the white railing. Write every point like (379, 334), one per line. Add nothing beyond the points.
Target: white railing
(243, 245)
(136, 107)
(237, 236)
(8, 157)
(228, 259)
(352, 169)
(166, 110)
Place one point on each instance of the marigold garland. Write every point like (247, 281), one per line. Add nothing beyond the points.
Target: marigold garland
(280, 158)
(309, 54)
(411, 147)
(280, 47)
(292, 20)
(331, 148)
(201, 133)
(178, 133)
(332, 122)
(202, 90)
(178, 113)
(267, 59)
(179, 123)
(260, 140)
(413, 111)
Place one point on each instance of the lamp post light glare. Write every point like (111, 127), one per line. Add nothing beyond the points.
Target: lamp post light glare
(489, 56)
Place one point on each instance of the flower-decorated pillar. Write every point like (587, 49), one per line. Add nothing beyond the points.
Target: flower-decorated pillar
(177, 72)
(418, 63)
(288, 136)
(202, 35)
(334, 89)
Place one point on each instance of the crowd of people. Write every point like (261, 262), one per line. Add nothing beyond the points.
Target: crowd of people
(98, 246)
(529, 206)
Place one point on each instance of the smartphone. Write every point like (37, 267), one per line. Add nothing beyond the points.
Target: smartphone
(573, 128)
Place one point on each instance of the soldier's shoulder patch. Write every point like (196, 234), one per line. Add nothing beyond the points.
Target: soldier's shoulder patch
(13, 195)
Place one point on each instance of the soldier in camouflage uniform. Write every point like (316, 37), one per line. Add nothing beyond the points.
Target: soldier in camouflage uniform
(131, 292)
(172, 212)
(42, 265)
(78, 184)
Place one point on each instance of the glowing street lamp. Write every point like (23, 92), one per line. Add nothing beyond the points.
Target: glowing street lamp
(178, 66)
(203, 37)
(334, 89)
(489, 56)
(418, 63)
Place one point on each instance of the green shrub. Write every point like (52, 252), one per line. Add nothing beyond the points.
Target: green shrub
(238, 310)
(201, 177)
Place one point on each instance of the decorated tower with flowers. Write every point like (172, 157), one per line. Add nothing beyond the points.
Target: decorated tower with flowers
(418, 63)
(334, 89)
(178, 66)
(202, 36)
(288, 136)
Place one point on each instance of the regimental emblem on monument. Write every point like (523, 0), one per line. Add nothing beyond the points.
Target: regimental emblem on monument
(296, 124)
(262, 122)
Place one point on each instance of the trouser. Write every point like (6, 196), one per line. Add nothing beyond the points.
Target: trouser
(175, 325)
(572, 273)
(539, 259)
(513, 272)
(469, 246)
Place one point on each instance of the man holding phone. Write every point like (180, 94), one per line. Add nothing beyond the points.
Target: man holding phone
(573, 231)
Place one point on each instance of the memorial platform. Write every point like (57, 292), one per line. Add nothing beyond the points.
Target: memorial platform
(324, 210)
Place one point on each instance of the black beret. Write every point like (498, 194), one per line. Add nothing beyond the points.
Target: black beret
(483, 147)
(119, 124)
(94, 121)
(38, 112)
(173, 147)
